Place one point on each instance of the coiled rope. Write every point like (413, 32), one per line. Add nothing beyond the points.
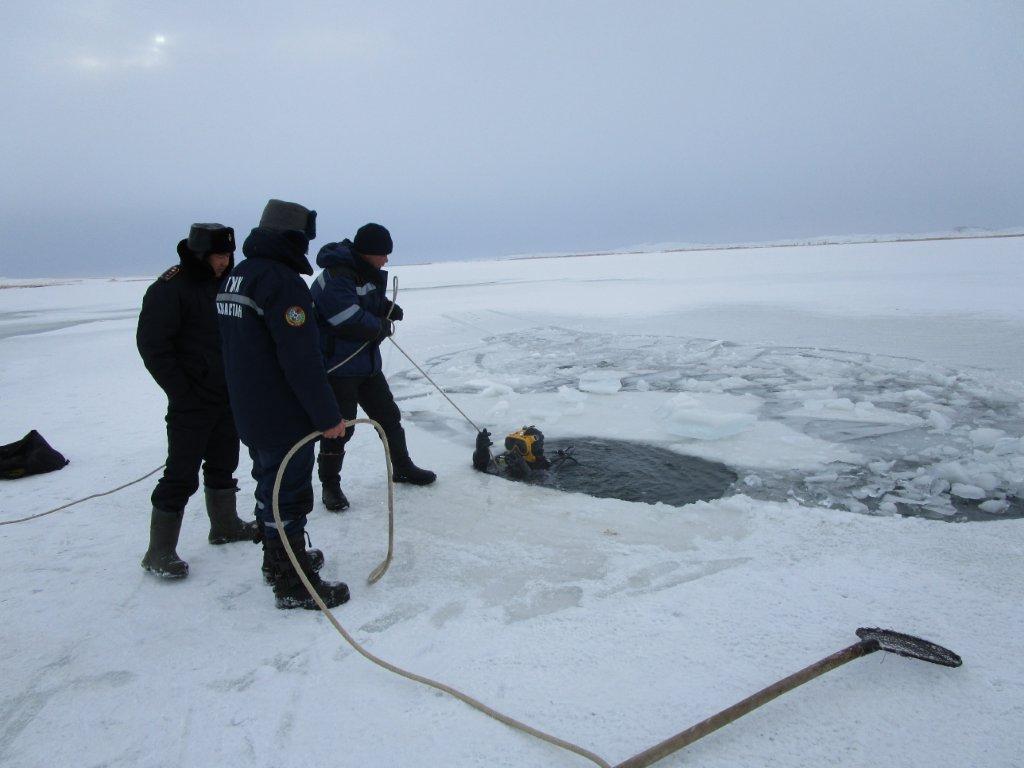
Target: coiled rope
(378, 572)
(374, 576)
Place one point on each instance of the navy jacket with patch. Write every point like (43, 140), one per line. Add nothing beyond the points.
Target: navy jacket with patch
(350, 302)
(272, 362)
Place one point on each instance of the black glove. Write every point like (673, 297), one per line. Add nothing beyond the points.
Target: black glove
(396, 312)
(516, 466)
(386, 329)
(481, 456)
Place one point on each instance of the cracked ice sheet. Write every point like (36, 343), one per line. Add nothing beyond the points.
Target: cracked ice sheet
(731, 431)
(609, 623)
(843, 409)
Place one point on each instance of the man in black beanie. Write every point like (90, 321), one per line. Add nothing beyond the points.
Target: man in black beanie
(279, 389)
(354, 317)
(180, 345)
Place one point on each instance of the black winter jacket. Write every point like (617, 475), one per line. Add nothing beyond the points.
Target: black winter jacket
(279, 390)
(178, 338)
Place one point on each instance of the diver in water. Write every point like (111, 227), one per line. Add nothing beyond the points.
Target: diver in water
(523, 457)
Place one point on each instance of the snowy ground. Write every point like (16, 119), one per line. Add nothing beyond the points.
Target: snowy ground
(867, 395)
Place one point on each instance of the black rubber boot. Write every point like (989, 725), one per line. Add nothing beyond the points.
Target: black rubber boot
(329, 469)
(289, 591)
(407, 472)
(225, 526)
(161, 558)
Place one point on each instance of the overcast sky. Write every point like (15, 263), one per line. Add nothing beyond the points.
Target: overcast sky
(480, 129)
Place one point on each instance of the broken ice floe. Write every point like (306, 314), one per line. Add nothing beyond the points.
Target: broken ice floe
(864, 432)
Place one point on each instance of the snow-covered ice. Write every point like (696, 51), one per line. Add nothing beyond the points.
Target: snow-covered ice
(865, 396)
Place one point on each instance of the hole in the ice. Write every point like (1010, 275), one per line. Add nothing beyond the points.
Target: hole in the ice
(621, 469)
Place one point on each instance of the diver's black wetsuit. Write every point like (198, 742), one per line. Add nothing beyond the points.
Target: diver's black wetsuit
(511, 464)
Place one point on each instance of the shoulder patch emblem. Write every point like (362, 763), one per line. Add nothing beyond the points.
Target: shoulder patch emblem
(295, 316)
(171, 273)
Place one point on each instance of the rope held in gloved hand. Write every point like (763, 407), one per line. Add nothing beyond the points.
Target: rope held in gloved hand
(373, 577)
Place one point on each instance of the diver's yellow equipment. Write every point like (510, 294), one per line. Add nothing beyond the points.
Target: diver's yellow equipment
(528, 441)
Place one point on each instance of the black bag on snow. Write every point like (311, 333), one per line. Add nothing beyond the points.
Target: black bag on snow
(31, 455)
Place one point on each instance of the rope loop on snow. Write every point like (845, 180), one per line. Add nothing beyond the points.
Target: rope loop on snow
(374, 576)
(79, 501)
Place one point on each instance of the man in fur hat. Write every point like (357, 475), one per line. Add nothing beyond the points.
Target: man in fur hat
(279, 390)
(180, 345)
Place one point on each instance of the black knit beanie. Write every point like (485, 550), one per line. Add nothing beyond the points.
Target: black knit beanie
(373, 240)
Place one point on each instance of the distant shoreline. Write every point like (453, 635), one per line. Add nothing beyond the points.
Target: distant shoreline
(813, 243)
(44, 282)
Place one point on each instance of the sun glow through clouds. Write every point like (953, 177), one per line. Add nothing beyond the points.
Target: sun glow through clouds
(148, 55)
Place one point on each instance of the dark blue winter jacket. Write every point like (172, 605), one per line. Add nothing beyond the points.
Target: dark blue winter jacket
(275, 374)
(350, 303)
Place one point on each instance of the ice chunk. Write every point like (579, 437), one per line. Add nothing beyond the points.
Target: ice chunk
(643, 386)
(938, 421)
(1007, 445)
(843, 408)
(914, 396)
(966, 491)
(570, 395)
(880, 467)
(688, 417)
(994, 506)
(985, 480)
(602, 382)
(888, 507)
(753, 481)
(986, 437)
(491, 388)
(717, 385)
(952, 471)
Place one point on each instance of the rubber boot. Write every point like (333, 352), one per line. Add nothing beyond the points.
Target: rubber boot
(225, 526)
(407, 472)
(404, 470)
(329, 469)
(161, 558)
(289, 591)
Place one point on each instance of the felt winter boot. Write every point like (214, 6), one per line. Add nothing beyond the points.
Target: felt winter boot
(225, 525)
